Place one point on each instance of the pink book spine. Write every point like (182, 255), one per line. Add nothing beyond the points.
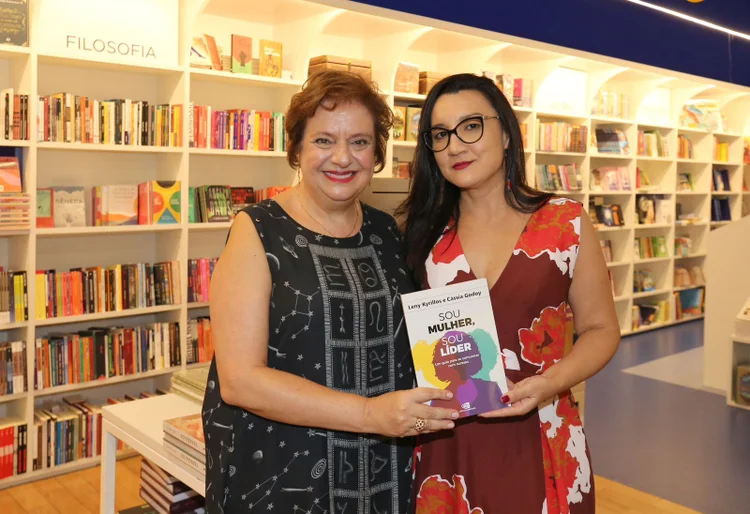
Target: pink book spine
(205, 278)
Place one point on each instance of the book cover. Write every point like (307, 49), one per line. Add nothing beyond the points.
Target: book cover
(10, 175)
(69, 208)
(187, 429)
(399, 123)
(121, 204)
(242, 47)
(242, 197)
(455, 345)
(199, 54)
(270, 56)
(165, 197)
(44, 206)
(14, 22)
(213, 52)
(413, 114)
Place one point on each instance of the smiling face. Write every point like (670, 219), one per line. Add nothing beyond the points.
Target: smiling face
(337, 157)
(475, 165)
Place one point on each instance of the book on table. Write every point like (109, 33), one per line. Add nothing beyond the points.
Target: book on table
(165, 494)
(184, 440)
(455, 345)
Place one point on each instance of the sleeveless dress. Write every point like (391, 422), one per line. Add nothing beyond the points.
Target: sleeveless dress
(538, 463)
(335, 319)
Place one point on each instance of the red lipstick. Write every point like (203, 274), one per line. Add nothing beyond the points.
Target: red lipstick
(340, 177)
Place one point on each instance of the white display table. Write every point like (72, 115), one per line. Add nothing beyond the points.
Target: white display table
(139, 424)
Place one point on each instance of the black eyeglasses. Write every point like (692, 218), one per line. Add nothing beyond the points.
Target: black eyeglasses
(469, 131)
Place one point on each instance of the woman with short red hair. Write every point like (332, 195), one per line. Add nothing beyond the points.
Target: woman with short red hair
(309, 405)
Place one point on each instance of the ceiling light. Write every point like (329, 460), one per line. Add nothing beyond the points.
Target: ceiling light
(692, 19)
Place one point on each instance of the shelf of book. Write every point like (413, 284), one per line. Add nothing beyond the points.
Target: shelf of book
(738, 394)
(15, 143)
(86, 318)
(98, 147)
(655, 326)
(69, 388)
(13, 397)
(599, 102)
(240, 79)
(94, 231)
(13, 326)
(210, 226)
(237, 153)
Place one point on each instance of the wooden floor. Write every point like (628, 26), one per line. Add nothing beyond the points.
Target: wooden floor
(78, 493)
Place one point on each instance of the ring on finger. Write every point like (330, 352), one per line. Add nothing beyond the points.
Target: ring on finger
(420, 424)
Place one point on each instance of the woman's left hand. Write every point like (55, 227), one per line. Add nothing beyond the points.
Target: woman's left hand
(524, 396)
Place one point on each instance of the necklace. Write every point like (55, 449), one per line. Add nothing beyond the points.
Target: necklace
(351, 230)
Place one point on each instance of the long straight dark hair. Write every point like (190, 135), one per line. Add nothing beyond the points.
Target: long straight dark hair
(433, 202)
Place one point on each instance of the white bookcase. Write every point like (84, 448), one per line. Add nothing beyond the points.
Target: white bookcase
(565, 84)
(726, 337)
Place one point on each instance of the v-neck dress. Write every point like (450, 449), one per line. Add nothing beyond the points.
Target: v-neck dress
(537, 463)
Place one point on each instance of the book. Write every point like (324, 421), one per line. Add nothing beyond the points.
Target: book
(159, 202)
(115, 204)
(242, 47)
(270, 58)
(10, 175)
(187, 430)
(213, 52)
(69, 207)
(44, 206)
(140, 509)
(455, 345)
(14, 22)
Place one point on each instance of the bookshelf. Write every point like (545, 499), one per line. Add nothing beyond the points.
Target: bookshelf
(727, 326)
(564, 87)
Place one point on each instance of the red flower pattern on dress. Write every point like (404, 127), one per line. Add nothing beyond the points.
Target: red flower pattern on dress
(544, 342)
(551, 228)
(560, 467)
(439, 496)
(550, 484)
(445, 250)
(446, 263)
(416, 457)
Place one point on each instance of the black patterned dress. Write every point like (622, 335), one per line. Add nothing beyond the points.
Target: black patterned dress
(335, 319)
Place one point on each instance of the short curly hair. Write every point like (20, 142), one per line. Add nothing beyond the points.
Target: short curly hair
(336, 87)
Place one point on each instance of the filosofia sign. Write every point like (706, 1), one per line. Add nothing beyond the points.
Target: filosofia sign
(123, 31)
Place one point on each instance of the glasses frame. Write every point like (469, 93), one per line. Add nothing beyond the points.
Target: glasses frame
(454, 131)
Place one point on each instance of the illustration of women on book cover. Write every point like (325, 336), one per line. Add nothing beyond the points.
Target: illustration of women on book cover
(462, 362)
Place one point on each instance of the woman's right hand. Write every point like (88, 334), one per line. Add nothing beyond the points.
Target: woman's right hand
(395, 414)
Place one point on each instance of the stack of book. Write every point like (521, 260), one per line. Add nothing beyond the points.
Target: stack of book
(184, 440)
(165, 494)
(190, 384)
(15, 209)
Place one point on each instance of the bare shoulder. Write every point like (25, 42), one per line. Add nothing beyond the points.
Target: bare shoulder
(590, 262)
(242, 256)
(239, 294)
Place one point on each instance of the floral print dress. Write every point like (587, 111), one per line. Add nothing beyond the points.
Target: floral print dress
(534, 463)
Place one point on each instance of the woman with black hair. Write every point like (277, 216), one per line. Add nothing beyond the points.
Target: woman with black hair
(471, 214)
